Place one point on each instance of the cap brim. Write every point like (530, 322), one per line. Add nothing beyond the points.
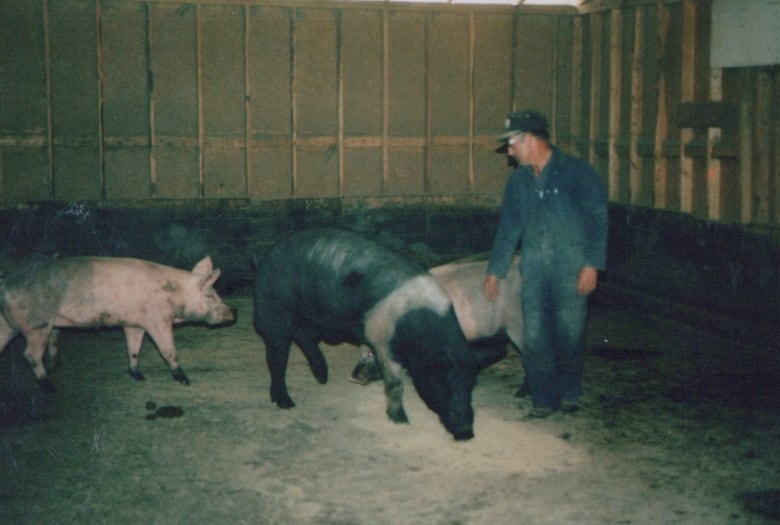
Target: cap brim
(503, 148)
(509, 134)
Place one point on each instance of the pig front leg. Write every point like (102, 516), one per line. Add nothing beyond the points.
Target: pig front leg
(162, 335)
(394, 387)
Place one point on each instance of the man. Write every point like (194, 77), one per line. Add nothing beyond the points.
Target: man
(555, 207)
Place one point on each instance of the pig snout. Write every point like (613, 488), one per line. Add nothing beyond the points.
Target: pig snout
(458, 418)
(222, 316)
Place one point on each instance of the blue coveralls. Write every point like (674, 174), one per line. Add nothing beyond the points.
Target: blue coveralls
(560, 221)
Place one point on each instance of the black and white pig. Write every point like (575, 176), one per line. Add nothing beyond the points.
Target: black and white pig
(480, 319)
(336, 286)
(140, 296)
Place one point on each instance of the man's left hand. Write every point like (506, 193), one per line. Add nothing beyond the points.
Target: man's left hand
(587, 279)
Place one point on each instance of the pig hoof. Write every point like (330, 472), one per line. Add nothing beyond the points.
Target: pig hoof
(46, 385)
(136, 374)
(179, 376)
(283, 401)
(398, 416)
(365, 373)
(320, 374)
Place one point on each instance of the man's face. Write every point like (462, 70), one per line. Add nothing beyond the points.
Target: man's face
(518, 147)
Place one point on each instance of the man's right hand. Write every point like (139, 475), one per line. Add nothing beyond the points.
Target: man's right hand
(491, 287)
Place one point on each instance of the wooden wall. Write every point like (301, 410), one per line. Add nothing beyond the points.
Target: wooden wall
(260, 100)
(664, 128)
(123, 99)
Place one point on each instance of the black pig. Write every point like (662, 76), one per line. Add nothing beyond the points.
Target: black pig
(336, 286)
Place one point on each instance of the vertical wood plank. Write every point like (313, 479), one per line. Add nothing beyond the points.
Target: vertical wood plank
(448, 102)
(269, 59)
(701, 90)
(247, 138)
(564, 71)
(594, 76)
(535, 63)
(74, 96)
(362, 100)
(648, 141)
(340, 102)
(730, 183)
(24, 110)
(49, 111)
(762, 128)
(579, 134)
(661, 173)
(23, 82)
(687, 82)
(316, 102)
(714, 136)
(615, 165)
(491, 95)
(774, 168)
(174, 110)
(125, 100)
(385, 100)
(406, 109)
(636, 111)
(746, 101)
(668, 189)
(223, 101)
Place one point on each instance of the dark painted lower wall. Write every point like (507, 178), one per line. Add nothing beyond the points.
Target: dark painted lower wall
(660, 259)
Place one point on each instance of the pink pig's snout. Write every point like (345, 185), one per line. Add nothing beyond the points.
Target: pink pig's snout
(223, 315)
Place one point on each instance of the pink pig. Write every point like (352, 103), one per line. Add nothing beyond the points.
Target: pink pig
(140, 296)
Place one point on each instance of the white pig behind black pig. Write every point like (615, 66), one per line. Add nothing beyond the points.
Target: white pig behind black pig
(140, 296)
(479, 318)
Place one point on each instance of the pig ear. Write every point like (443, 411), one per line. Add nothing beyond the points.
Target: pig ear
(210, 279)
(203, 267)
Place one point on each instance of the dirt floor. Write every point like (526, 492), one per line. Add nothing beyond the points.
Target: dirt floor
(679, 425)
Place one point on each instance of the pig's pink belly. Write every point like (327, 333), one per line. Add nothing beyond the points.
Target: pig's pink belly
(88, 319)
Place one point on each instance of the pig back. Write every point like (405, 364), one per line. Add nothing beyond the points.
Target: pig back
(329, 274)
(97, 291)
(464, 282)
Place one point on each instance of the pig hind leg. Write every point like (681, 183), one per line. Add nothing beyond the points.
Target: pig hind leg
(277, 354)
(53, 350)
(308, 343)
(34, 351)
(134, 338)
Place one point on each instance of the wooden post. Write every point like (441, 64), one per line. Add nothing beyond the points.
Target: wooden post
(576, 86)
(761, 146)
(595, 78)
(661, 174)
(615, 81)
(688, 68)
(746, 146)
(714, 136)
(637, 93)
